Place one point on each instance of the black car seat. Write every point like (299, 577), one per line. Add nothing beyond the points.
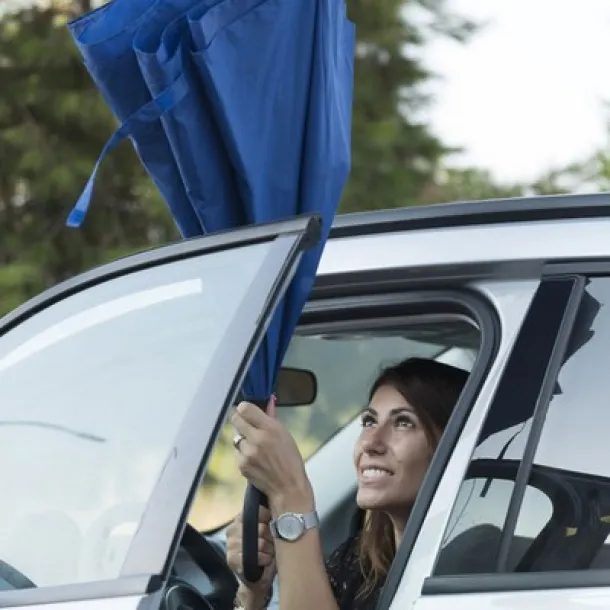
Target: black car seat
(475, 551)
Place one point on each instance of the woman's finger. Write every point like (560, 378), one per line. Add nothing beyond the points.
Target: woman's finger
(271, 406)
(235, 537)
(251, 415)
(242, 426)
(235, 531)
(236, 561)
(265, 559)
(264, 529)
(266, 546)
(264, 515)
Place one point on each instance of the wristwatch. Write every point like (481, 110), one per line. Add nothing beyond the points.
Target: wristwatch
(291, 526)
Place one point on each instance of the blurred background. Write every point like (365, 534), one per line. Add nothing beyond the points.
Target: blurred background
(455, 100)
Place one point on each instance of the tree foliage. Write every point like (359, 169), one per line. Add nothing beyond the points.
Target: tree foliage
(395, 155)
(53, 124)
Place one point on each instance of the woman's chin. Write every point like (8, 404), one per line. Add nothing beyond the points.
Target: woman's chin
(368, 499)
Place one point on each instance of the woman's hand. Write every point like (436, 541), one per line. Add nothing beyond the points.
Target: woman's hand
(269, 458)
(252, 595)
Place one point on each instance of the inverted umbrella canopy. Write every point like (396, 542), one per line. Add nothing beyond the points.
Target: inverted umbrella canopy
(240, 111)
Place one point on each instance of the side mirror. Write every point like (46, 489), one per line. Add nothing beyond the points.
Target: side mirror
(295, 387)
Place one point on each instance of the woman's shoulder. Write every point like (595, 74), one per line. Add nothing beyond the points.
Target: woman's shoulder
(347, 550)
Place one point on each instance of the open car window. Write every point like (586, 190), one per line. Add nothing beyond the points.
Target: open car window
(345, 364)
(94, 392)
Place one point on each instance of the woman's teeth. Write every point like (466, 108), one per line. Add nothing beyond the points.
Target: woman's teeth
(373, 473)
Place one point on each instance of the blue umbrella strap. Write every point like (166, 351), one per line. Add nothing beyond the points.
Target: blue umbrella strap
(150, 112)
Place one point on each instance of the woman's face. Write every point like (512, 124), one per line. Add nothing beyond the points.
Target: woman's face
(391, 455)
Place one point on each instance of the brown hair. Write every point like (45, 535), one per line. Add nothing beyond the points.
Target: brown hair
(432, 389)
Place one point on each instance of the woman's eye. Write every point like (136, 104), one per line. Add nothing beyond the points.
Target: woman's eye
(367, 421)
(404, 422)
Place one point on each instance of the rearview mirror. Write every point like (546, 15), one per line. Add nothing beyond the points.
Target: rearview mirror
(295, 387)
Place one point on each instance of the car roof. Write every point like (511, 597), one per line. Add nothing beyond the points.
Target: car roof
(462, 214)
(517, 235)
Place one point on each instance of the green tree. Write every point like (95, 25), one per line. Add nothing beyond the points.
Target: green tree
(53, 124)
(394, 156)
(590, 175)
(467, 184)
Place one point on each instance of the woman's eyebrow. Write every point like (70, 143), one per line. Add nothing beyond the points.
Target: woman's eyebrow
(395, 411)
(399, 410)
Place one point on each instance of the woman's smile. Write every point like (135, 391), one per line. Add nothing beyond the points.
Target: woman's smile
(374, 474)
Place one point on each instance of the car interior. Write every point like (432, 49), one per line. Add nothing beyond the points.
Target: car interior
(571, 535)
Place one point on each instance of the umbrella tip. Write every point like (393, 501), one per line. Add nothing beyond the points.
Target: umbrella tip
(75, 219)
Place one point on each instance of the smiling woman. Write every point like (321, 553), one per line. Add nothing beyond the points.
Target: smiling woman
(410, 405)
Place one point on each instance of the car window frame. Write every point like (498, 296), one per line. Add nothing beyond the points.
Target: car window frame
(523, 581)
(175, 488)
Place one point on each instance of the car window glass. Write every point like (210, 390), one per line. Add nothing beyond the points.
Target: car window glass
(485, 500)
(569, 515)
(472, 538)
(578, 412)
(573, 446)
(345, 366)
(471, 542)
(92, 392)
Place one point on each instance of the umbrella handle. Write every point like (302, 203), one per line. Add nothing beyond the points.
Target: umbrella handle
(253, 499)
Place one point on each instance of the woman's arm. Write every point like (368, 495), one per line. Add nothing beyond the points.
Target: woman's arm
(269, 458)
(303, 579)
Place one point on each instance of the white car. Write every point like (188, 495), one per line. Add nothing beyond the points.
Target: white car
(114, 387)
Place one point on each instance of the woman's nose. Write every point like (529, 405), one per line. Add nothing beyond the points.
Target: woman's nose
(375, 442)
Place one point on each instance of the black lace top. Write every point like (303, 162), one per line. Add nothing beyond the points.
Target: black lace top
(345, 577)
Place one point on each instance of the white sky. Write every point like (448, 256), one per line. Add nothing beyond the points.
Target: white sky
(527, 93)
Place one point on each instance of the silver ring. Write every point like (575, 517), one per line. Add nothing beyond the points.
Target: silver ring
(238, 438)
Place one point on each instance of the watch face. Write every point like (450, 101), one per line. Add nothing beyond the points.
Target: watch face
(290, 527)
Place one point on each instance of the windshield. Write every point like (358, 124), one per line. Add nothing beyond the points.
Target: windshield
(92, 393)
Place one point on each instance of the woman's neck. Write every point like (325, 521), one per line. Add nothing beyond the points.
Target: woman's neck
(398, 524)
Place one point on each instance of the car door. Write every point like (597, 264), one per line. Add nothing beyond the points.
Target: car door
(520, 515)
(113, 388)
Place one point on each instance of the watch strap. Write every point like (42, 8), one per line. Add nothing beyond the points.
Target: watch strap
(310, 520)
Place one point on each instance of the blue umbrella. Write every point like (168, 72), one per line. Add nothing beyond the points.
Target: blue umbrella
(240, 111)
